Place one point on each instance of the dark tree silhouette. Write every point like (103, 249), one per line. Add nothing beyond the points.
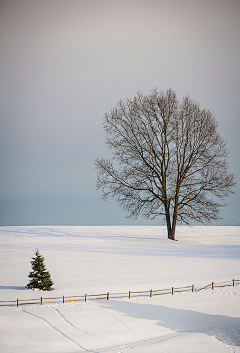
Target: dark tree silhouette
(167, 159)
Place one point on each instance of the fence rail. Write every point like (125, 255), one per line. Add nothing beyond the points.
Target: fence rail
(108, 295)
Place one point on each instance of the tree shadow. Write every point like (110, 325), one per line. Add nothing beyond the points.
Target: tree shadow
(13, 287)
(224, 328)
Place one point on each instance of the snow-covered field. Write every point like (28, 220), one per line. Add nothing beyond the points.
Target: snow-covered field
(92, 260)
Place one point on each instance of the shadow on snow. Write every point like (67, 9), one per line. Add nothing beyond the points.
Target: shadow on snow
(224, 328)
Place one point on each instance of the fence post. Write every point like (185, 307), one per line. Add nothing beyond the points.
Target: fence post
(107, 295)
(129, 295)
(233, 282)
(17, 302)
(63, 299)
(172, 290)
(41, 300)
(192, 287)
(212, 286)
(151, 293)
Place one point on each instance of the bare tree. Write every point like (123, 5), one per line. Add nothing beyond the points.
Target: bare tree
(167, 159)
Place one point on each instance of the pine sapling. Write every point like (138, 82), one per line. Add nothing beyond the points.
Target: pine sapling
(39, 277)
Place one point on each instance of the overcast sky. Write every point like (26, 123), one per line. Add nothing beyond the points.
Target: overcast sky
(65, 63)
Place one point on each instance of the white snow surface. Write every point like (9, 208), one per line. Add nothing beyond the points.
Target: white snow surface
(94, 260)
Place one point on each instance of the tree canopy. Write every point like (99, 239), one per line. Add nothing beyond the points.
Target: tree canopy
(167, 160)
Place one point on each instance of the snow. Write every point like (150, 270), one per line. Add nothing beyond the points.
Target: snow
(93, 260)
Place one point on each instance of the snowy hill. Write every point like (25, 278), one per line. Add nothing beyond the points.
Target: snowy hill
(111, 259)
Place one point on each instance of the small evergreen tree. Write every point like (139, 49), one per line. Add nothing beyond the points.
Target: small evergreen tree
(39, 277)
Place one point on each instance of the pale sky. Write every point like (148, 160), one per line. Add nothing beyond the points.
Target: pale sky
(65, 63)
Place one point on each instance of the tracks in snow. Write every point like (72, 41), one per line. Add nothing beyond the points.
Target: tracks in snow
(137, 341)
(54, 327)
(83, 339)
(84, 332)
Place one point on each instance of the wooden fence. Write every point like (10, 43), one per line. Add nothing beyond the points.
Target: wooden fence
(108, 295)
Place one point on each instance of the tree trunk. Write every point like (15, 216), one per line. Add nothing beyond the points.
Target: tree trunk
(170, 229)
(174, 223)
(173, 230)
